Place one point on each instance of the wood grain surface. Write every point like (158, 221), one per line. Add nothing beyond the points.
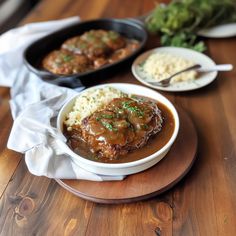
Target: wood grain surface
(203, 203)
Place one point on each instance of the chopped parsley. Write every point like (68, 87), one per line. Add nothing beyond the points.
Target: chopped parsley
(67, 58)
(145, 126)
(134, 109)
(126, 104)
(113, 35)
(83, 45)
(107, 116)
(109, 126)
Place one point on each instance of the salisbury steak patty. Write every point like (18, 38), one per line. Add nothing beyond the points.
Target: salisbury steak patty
(64, 62)
(124, 125)
(95, 43)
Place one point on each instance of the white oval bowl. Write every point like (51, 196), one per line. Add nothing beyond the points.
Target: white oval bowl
(120, 168)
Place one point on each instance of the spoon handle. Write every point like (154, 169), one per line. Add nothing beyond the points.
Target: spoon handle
(223, 67)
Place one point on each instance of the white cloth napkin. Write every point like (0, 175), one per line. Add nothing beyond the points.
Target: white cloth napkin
(14, 42)
(35, 105)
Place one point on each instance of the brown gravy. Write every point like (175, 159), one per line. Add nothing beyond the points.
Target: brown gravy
(89, 51)
(154, 144)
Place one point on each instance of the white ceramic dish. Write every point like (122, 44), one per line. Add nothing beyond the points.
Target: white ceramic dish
(121, 168)
(198, 58)
(219, 31)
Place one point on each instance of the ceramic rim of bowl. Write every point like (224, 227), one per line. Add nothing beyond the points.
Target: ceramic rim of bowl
(167, 146)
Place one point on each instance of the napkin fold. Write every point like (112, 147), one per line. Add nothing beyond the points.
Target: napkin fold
(35, 105)
(14, 42)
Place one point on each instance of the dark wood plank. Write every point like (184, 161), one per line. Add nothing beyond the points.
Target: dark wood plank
(9, 159)
(34, 205)
(142, 218)
(205, 204)
(47, 10)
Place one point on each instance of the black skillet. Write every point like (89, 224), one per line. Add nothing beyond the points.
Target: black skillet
(34, 53)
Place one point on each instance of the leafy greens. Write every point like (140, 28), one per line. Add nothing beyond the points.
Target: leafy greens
(179, 21)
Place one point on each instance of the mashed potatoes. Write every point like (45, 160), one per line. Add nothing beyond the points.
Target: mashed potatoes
(162, 65)
(89, 102)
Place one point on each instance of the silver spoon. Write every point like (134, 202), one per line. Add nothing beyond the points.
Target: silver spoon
(166, 82)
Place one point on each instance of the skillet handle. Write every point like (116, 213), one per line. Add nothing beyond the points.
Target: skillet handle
(68, 81)
(136, 21)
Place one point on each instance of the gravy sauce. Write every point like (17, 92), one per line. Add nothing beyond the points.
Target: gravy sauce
(155, 142)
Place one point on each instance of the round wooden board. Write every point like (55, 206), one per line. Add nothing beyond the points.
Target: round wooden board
(151, 182)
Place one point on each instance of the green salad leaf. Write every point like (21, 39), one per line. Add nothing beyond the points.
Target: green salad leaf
(179, 21)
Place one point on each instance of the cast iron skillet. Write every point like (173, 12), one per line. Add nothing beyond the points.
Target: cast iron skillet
(35, 52)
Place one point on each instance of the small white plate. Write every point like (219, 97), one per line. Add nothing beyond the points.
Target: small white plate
(198, 58)
(220, 31)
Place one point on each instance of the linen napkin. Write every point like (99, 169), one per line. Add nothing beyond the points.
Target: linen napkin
(35, 105)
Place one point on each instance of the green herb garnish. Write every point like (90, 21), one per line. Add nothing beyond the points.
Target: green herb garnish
(179, 21)
(107, 116)
(109, 126)
(67, 58)
(145, 126)
(113, 35)
(134, 109)
(82, 45)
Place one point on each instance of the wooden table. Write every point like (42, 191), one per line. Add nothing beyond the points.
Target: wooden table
(203, 203)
